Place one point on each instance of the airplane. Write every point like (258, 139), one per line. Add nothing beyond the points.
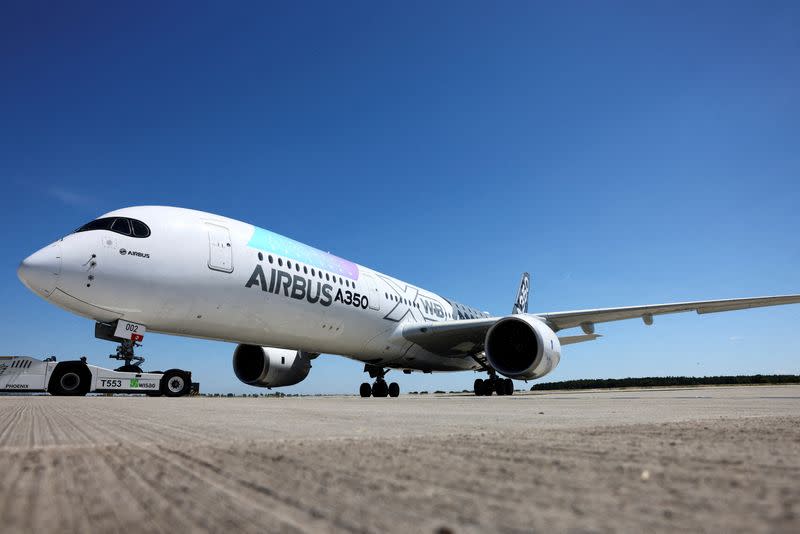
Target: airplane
(189, 273)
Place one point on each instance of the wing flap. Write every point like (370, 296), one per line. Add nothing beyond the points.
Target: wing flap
(571, 340)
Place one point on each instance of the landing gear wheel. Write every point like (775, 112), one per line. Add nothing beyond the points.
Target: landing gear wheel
(500, 386)
(176, 383)
(478, 387)
(70, 379)
(488, 387)
(380, 389)
(129, 369)
(508, 386)
(394, 389)
(366, 390)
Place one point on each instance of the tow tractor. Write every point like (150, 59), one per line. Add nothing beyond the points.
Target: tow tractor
(20, 374)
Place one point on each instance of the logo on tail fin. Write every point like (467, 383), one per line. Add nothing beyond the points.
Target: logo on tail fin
(521, 304)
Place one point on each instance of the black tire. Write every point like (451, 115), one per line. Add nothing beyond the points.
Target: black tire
(380, 389)
(176, 383)
(488, 388)
(70, 379)
(500, 386)
(509, 386)
(478, 387)
(366, 390)
(394, 389)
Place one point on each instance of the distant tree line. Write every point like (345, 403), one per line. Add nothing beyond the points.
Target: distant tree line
(651, 381)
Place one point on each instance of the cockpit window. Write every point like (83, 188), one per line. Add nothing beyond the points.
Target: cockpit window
(97, 224)
(120, 225)
(140, 229)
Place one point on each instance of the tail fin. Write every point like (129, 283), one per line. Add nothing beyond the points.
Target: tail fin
(521, 304)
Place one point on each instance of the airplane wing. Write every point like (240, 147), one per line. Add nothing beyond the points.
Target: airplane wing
(459, 338)
(569, 319)
(450, 338)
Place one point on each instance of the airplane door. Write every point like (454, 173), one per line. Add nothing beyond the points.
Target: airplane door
(371, 291)
(220, 252)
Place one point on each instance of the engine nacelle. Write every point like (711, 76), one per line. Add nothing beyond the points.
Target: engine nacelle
(268, 367)
(522, 346)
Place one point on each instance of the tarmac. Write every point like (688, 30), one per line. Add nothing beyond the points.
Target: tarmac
(714, 459)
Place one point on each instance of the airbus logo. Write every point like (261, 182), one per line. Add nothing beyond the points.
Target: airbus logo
(126, 252)
(302, 288)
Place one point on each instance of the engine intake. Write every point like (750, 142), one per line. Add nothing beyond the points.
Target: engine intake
(522, 346)
(269, 367)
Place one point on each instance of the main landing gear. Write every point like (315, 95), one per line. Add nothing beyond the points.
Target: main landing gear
(494, 384)
(379, 388)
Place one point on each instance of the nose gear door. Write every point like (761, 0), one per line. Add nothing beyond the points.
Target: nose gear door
(220, 252)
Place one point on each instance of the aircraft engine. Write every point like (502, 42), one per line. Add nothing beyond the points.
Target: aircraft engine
(268, 367)
(522, 347)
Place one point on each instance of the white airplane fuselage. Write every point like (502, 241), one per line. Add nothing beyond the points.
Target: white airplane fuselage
(190, 273)
(207, 276)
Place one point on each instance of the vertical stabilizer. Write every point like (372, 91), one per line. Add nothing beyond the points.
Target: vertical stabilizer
(521, 304)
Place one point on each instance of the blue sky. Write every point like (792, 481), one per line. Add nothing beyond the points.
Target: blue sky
(622, 153)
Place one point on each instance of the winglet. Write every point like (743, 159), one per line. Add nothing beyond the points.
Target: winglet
(521, 304)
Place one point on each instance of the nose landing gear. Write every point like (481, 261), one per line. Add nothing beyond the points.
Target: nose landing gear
(125, 353)
(379, 388)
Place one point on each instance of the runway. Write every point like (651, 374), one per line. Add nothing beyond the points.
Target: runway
(717, 459)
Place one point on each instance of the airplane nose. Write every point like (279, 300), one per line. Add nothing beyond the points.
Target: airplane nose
(40, 271)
